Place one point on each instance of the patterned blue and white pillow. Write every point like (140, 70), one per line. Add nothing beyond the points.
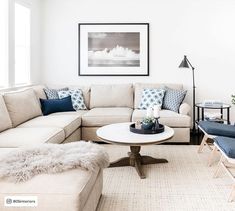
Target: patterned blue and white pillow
(52, 94)
(173, 99)
(151, 97)
(76, 97)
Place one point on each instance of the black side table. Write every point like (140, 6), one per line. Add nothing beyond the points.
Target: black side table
(201, 107)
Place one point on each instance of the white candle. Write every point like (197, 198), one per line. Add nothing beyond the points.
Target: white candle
(156, 110)
(149, 112)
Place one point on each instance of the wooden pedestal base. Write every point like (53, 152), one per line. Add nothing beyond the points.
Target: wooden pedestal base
(136, 160)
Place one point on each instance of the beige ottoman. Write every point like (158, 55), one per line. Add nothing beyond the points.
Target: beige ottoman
(74, 190)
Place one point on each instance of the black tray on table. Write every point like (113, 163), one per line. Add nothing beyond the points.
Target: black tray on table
(159, 129)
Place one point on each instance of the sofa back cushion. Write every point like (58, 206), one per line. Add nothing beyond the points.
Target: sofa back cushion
(22, 106)
(139, 87)
(118, 95)
(38, 89)
(5, 121)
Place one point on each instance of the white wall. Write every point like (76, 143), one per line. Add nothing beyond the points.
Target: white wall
(35, 41)
(203, 29)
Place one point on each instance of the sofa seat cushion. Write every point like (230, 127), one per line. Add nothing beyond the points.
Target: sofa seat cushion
(22, 106)
(18, 137)
(226, 144)
(77, 113)
(218, 129)
(5, 121)
(69, 123)
(97, 117)
(68, 190)
(169, 118)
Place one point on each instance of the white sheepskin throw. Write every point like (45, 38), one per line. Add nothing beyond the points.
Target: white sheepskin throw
(22, 164)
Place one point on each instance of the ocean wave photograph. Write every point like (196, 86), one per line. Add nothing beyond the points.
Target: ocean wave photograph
(116, 49)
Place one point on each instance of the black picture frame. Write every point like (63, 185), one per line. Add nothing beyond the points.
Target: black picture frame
(85, 70)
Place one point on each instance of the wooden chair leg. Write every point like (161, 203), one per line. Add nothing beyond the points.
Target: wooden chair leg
(216, 174)
(232, 195)
(211, 157)
(203, 143)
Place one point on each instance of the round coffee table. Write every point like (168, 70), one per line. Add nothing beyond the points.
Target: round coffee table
(120, 134)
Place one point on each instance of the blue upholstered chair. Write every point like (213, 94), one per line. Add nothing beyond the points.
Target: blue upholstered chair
(226, 146)
(213, 129)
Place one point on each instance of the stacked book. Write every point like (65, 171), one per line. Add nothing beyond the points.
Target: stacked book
(212, 103)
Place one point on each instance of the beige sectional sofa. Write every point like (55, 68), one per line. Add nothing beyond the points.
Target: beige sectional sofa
(22, 124)
(107, 104)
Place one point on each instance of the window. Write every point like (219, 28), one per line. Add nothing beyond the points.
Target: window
(15, 50)
(3, 43)
(22, 44)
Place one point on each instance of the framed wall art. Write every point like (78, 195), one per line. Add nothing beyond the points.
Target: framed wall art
(113, 49)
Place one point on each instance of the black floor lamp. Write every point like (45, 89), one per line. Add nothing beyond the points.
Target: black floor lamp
(185, 64)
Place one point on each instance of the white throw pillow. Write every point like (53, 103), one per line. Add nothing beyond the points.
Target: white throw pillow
(173, 99)
(53, 93)
(151, 97)
(76, 97)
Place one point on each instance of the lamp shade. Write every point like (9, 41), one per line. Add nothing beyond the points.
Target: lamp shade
(184, 63)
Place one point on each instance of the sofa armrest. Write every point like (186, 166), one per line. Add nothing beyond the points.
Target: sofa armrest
(184, 109)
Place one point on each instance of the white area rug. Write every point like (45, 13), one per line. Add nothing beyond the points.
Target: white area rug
(185, 183)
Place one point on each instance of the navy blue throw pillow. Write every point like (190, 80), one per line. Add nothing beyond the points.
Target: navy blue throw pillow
(56, 105)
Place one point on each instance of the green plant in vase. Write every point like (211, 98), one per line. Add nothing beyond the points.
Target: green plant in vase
(233, 99)
(148, 123)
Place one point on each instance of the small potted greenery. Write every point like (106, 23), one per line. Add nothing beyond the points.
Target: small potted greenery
(233, 99)
(148, 123)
